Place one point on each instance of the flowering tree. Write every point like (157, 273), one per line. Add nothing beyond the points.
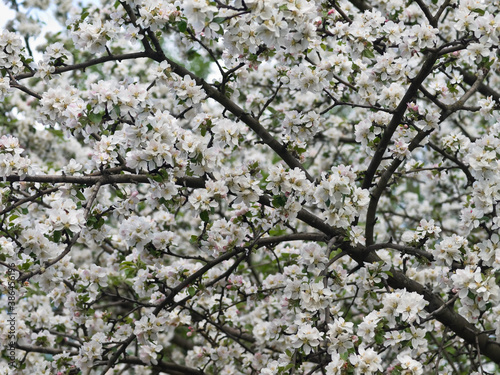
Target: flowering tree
(251, 187)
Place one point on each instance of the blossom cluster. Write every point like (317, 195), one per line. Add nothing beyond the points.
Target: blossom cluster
(339, 197)
(243, 187)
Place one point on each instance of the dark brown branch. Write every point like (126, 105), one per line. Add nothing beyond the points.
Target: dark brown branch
(20, 202)
(26, 90)
(43, 350)
(404, 249)
(462, 166)
(237, 111)
(319, 237)
(425, 9)
(268, 102)
(360, 4)
(381, 186)
(163, 366)
(86, 64)
(395, 121)
(105, 179)
(470, 79)
(441, 9)
(427, 67)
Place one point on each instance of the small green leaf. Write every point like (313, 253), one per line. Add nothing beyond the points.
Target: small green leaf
(80, 195)
(204, 216)
(368, 53)
(95, 118)
(219, 20)
(332, 254)
(182, 26)
(91, 221)
(84, 15)
(119, 194)
(279, 201)
(191, 291)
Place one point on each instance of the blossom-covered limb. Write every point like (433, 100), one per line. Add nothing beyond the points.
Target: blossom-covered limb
(43, 350)
(462, 166)
(31, 198)
(426, 69)
(104, 179)
(404, 249)
(484, 89)
(237, 111)
(163, 366)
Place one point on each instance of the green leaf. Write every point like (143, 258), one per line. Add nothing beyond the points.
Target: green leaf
(192, 291)
(95, 118)
(80, 195)
(91, 221)
(84, 15)
(279, 201)
(368, 53)
(120, 194)
(100, 223)
(332, 254)
(182, 26)
(219, 20)
(205, 216)
(288, 367)
(124, 265)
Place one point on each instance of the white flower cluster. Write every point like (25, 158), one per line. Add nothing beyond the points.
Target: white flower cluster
(290, 188)
(11, 52)
(452, 248)
(339, 197)
(158, 149)
(4, 87)
(402, 306)
(426, 229)
(475, 291)
(270, 23)
(55, 54)
(92, 34)
(300, 127)
(63, 106)
(11, 161)
(223, 235)
(155, 14)
(209, 196)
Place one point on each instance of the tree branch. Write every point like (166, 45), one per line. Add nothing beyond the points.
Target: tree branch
(404, 249)
(105, 179)
(163, 366)
(86, 64)
(426, 69)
